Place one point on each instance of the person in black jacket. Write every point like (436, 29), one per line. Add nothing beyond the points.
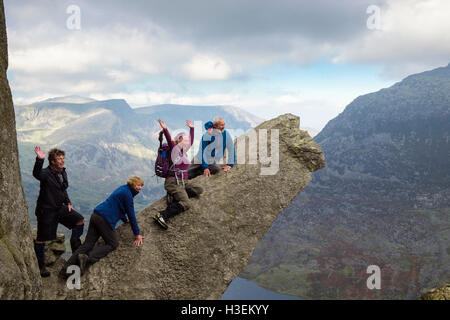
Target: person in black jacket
(53, 204)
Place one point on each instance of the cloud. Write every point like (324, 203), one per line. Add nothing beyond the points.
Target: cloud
(205, 67)
(414, 36)
(209, 52)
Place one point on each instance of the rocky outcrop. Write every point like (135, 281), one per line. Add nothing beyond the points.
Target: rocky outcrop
(441, 293)
(19, 273)
(206, 247)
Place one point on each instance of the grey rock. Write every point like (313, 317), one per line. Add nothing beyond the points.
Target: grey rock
(19, 273)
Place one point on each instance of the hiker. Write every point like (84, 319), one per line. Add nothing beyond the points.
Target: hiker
(53, 204)
(118, 206)
(176, 184)
(212, 151)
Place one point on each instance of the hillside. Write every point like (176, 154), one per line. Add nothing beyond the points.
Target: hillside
(383, 199)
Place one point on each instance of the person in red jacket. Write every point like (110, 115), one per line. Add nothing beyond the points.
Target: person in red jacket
(177, 185)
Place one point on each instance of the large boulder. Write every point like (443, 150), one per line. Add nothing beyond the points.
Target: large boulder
(206, 247)
(441, 293)
(19, 273)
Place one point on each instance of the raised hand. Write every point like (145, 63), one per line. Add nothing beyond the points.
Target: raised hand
(189, 124)
(162, 124)
(39, 153)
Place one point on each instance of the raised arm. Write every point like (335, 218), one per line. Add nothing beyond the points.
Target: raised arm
(191, 132)
(37, 169)
(166, 134)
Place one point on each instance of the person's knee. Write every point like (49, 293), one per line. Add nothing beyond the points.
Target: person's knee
(114, 245)
(198, 189)
(185, 204)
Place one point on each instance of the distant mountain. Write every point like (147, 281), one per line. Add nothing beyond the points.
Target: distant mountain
(382, 199)
(235, 118)
(105, 143)
(70, 99)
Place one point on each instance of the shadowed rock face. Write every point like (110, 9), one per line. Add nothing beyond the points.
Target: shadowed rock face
(19, 273)
(206, 247)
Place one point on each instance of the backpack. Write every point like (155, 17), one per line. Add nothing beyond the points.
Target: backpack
(162, 163)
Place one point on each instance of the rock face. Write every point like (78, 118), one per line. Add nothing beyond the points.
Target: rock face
(19, 273)
(206, 247)
(441, 293)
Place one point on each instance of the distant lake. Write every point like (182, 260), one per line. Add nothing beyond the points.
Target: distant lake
(243, 289)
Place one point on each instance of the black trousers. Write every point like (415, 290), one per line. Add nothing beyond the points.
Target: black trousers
(98, 227)
(196, 169)
(47, 221)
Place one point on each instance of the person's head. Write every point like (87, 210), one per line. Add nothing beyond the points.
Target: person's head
(136, 183)
(182, 139)
(56, 158)
(219, 123)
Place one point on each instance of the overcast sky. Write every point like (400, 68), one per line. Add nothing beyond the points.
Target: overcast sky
(310, 58)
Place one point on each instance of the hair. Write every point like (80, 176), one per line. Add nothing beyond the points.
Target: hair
(217, 119)
(53, 153)
(134, 181)
(179, 137)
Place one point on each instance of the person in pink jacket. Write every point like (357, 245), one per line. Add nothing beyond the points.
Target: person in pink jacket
(177, 185)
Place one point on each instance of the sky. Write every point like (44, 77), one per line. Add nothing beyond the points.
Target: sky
(309, 58)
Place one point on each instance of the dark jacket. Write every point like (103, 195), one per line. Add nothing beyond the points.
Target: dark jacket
(53, 193)
(119, 206)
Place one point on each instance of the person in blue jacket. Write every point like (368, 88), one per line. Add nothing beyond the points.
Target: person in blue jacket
(214, 143)
(118, 206)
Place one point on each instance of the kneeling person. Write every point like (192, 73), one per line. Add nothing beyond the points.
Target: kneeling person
(118, 206)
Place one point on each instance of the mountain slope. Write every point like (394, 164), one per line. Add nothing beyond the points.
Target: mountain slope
(383, 199)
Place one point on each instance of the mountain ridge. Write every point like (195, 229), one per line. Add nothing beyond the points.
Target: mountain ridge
(383, 199)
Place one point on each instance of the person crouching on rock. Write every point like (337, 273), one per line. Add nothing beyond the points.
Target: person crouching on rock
(177, 185)
(118, 206)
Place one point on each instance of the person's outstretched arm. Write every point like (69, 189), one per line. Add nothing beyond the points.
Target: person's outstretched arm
(191, 133)
(37, 169)
(129, 209)
(166, 134)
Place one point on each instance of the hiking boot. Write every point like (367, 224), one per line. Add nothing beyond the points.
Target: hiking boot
(83, 258)
(63, 273)
(160, 220)
(39, 249)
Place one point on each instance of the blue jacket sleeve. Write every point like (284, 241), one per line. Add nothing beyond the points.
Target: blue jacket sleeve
(129, 208)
